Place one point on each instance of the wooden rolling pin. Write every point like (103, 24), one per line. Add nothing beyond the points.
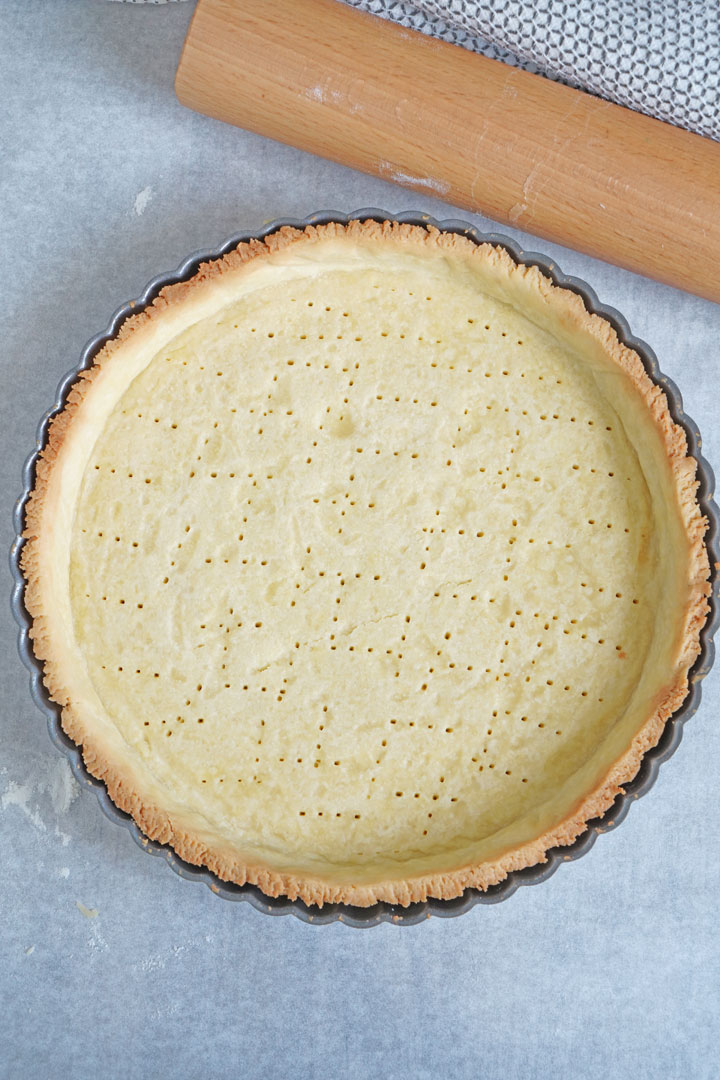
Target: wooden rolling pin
(432, 116)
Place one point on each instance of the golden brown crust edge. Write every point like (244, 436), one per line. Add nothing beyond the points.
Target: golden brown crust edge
(156, 823)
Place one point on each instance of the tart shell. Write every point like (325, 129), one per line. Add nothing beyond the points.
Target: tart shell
(156, 824)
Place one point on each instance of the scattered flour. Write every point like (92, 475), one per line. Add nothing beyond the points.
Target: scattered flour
(152, 963)
(57, 782)
(157, 961)
(19, 795)
(142, 200)
(440, 187)
(326, 96)
(64, 872)
(163, 1011)
(63, 787)
(96, 942)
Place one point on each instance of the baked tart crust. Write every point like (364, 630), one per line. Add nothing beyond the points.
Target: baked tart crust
(317, 558)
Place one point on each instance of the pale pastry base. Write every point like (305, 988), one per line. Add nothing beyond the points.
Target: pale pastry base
(366, 565)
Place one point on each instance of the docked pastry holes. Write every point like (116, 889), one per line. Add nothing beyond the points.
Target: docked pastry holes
(386, 547)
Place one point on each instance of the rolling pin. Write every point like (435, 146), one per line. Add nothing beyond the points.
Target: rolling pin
(519, 148)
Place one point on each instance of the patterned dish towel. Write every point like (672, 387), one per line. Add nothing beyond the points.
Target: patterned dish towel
(660, 57)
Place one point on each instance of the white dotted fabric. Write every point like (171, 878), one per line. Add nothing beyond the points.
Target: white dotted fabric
(660, 57)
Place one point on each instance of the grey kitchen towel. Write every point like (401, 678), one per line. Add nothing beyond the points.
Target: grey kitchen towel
(660, 57)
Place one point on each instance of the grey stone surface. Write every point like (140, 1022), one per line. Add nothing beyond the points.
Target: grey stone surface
(611, 968)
